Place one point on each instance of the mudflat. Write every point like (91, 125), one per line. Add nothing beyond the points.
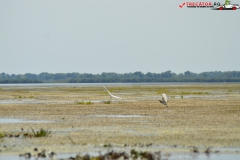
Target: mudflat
(85, 119)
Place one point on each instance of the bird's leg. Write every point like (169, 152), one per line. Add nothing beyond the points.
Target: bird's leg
(167, 107)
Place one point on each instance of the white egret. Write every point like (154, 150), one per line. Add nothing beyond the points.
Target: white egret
(111, 95)
(164, 99)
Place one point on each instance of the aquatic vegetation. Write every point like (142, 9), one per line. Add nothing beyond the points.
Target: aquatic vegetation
(21, 97)
(41, 133)
(12, 135)
(79, 102)
(190, 93)
(2, 134)
(88, 102)
(195, 120)
(42, 154)
(107, 102)
(83, 102)
(160, 91)
(134, 153)
(208, 150)
(103, 92)
(195, 149)
(121, 155)
(105, 145)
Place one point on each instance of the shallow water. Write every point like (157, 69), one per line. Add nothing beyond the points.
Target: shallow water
(20, 158)
(204, 156)
(12, 120)
(10, 101)
(13, 101)
(26, 101)
(170, 157)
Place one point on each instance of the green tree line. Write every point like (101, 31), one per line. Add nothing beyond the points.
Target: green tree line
(111, 77)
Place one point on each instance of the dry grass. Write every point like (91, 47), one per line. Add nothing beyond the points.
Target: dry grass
(205, 120)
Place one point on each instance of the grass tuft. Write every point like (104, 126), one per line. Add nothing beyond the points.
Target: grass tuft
(160, 91)
(107, 102)
(88, 102)
(83, 103)
(2, 134)
(191, 93)
(79, 102)
(41, 133)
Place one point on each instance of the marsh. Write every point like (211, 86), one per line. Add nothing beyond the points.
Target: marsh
(208, 117)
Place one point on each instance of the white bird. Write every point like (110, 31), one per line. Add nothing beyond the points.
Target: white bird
(111, 95)
(164, 99)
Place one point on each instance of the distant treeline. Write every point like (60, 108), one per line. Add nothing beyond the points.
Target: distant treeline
(168, 76)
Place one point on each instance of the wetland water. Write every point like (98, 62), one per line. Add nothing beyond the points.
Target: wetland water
(170, 157)
(12, 120)
(200, 120)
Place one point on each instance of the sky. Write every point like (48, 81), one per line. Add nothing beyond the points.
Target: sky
(121, 36)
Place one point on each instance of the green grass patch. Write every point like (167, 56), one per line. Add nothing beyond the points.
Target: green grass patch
(195, 93)
(2, 134)
(79, 102)
(103, 92)
(41, 133)
(83, 102)
(107, 102)
(88, 102)
(160, 91)
(21, 97)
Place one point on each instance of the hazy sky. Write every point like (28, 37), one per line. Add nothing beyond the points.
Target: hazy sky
(122, 36)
